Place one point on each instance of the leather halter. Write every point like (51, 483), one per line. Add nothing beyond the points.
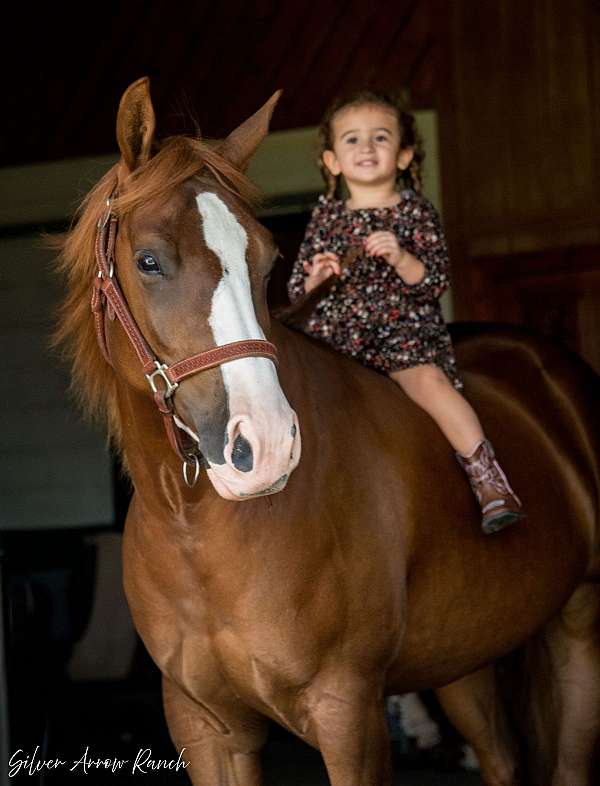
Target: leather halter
(108, 299)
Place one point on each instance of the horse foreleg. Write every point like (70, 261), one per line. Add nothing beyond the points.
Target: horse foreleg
(473, 707)
(574, 642)
(349, 725)
(222, 747)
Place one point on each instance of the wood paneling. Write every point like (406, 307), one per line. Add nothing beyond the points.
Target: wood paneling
(555, 292)
(519, 121)
(55, 470)
(214, 61)
(520, 110)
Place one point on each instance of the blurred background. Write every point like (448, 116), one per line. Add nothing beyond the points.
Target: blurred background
(507, 96)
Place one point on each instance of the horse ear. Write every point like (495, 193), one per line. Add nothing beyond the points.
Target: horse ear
(241, 143)
(135, 124)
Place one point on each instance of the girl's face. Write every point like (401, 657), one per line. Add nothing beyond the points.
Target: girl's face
(366, 146)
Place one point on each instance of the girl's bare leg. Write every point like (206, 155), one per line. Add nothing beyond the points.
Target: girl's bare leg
(431, 389)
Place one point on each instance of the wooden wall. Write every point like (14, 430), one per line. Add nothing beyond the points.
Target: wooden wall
(214, 63)
(55, 470)
(519, 102)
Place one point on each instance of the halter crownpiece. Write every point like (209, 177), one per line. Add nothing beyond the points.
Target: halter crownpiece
(162, 378)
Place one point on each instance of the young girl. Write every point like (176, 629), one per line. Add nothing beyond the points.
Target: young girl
(384, 309)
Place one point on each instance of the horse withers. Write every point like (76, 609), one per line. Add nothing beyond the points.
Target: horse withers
(303, 583)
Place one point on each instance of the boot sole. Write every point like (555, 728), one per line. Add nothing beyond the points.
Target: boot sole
(500, 522)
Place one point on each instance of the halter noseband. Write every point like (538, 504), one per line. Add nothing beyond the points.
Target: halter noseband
(163, 379)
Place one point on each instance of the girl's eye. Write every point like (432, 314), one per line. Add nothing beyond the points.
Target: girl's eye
(352, 140)
(147, 264)
(381, 138)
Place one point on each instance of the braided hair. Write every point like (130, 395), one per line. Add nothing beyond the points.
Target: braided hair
(411, 177)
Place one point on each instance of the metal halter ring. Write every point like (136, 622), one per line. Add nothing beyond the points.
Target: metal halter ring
(161, 369)
(186, 466)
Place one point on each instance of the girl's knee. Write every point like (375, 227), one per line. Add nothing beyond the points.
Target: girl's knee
(433, 377)
(422, 382)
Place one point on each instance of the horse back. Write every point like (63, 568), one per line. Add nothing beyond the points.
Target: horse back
(380, 516)
(544, 388)
(476, 597)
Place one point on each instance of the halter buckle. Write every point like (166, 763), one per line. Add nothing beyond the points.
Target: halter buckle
(161, 371)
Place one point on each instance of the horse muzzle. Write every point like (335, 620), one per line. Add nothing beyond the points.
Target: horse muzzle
(260, 455)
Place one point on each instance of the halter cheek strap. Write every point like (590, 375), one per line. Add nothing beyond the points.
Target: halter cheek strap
(108, 300)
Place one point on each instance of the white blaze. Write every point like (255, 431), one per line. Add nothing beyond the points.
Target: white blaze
(232, 316)
(251, 383)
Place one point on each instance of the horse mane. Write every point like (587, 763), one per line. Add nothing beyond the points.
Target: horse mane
(178, 159)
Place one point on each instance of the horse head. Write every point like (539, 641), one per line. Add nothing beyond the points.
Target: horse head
(192, 263)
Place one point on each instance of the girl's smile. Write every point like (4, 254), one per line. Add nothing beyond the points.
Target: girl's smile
(366, 146)
(366, 149)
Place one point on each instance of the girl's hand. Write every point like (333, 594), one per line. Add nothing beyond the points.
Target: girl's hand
(384, 244)
(320, 268)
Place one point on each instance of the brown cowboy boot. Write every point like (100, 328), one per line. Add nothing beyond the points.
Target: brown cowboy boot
(500, 505)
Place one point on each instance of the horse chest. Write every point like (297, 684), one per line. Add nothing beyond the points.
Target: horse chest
(205, 646)
(269, 673)
(263, 635)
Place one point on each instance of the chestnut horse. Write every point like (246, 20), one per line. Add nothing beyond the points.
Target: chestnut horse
(367, 573)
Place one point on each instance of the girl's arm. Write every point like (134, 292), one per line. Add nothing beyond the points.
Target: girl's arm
(426, 242)
(311, 245)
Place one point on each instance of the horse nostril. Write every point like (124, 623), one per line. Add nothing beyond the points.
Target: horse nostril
(241, 455)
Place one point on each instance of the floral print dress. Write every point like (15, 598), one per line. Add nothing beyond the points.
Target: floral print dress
(370, 313)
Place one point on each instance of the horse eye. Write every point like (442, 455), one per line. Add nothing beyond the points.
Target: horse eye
(147, 264)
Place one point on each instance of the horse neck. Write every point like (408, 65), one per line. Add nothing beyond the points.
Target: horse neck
(312, 381)
(154, 467)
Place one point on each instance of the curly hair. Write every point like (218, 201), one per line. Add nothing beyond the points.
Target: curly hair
(409, 136)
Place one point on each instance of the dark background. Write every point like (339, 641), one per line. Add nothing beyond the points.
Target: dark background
(516, 88)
